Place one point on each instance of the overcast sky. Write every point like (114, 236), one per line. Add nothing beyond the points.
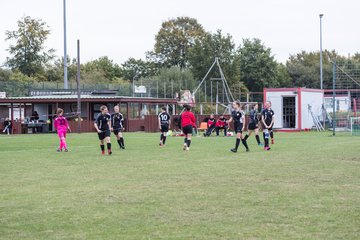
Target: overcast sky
(122, 29)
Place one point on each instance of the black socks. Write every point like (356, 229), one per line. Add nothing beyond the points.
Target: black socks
(108, 146)
(257, 139)
(102, 147)
(164, 140)
(188, 142)
(266, 140)
(246, 137)
(237, 143)
(244, 143)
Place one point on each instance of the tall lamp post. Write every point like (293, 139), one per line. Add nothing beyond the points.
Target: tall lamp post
(65, 50)
(321, 58)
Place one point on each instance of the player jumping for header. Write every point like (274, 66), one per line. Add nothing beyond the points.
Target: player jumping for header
(164, 123)
(238, 116)
(117, 126)
(267, 118)
(103, 125)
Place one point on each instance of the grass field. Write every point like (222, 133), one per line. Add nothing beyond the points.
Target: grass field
(306, 187)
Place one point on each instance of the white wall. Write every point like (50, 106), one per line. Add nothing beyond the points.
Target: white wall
(276, 99)
(315, 100)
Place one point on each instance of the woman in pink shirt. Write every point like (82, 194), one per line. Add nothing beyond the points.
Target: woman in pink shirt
(61, 125)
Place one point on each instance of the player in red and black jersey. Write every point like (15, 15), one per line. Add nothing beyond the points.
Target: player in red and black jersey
(221, 123)
(187, 123)
(103, 125)
(117, 126)
(164, 123)
(238, 116)
(210, 125)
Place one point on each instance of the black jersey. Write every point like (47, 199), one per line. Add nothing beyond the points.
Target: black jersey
(164, 118)
(253, 117)
(117, 121)
(268, 115)
(102, 121)
(237, 116)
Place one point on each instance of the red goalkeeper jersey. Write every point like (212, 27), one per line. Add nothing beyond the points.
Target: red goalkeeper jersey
(187, 118)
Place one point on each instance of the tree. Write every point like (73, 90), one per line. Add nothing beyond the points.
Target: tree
(257, 65)
(174, 40)
(111, 70)
(170, 81)
(203, 53)
(304, 68)
(282, 76)
(28, 53)
(138, 67)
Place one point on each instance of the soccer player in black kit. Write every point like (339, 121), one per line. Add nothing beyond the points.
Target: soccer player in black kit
(254, 124)
(117, 126)
(238, 116)
(164, 123)
(267, 118)
(102, 125)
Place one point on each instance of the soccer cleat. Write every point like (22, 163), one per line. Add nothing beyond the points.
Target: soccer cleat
(184, 148)
(103, 152)
(247, 150)
(66, 150)
(233, 150)
(187, 149)
(272, 141)
(58, 150)
(122, 147)
(267, 148)
(109, 152)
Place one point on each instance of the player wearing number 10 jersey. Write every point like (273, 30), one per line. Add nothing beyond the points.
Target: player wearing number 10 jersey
(164, 124)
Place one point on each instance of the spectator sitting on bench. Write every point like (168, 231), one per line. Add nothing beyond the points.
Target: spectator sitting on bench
(7, 126)
(221, 123)
(210, 125)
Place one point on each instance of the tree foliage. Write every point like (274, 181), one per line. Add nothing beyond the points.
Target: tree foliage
(257, 65)
(137, 68)
(173, 41)
(28, 52)
(204, 52)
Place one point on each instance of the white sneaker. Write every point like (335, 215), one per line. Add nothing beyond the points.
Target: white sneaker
(187, 148)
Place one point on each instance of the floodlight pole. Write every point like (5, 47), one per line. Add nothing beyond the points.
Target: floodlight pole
(321, 57)
(65, 49)
(334, 80)
(78, 88)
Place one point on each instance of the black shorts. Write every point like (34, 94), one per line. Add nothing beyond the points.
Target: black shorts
(271, 127)
(104, 134)
(253, 126)
(117, 131)
(187, 129)
(164, 128)
(238, 128)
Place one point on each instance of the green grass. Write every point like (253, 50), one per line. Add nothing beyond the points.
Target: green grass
(306, 187)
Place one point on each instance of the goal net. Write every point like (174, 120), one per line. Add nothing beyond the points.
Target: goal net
(355, 126)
